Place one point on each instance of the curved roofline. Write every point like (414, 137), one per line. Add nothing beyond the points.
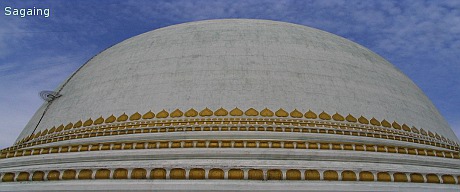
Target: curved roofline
(242, 21)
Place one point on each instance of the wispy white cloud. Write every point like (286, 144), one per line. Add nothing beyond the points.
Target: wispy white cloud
(9, 35)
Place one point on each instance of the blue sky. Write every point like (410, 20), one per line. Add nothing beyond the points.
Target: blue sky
(422, 38)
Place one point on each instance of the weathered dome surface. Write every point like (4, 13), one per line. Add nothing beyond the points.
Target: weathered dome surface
(219, 104)
(240, 63)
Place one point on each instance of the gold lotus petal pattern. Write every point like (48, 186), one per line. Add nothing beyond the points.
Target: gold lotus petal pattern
(148, 115)
(162, 114)
(52, 130)
(60, 128)
(88, 122)
(68, 126)
(296, 114)
(363, 120)
(191, 113)
(221, 112)
(324, 116)
(135, 116)
(385, 123)
(99, 121)
(123, 117)
(375, 122)
(235, 112)
(396, 125)
(338, 117)
(351, 118)
(281, 113)
(176, 113)
(310, 115)
(110, 119)
(415, 130)
(206, 112)
(251, 112)
(266, 113)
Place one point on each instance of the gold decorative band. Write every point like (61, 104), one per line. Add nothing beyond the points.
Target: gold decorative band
(251, 112)
(228, 124)
(198, 173)
(177, 119)
(285, 144)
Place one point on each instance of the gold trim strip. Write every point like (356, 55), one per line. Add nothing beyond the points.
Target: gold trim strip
(286, 144)
(236, 112)
(216, 173)
(234, 124)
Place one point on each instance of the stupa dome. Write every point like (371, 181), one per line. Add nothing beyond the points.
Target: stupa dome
(224, 101)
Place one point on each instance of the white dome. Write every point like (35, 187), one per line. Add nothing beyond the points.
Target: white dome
(240, 63)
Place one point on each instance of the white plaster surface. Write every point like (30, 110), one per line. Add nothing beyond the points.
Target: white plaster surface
(240, 63)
